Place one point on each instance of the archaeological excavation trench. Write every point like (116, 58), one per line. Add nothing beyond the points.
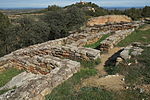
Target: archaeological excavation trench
(49, 64)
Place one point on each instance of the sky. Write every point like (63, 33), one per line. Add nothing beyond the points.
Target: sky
(45, 3)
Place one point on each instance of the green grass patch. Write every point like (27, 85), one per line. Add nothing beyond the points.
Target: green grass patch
(96, 44)
(7, 75)
(90, 64)
(92, 93)
(142, 36)
(66, 90)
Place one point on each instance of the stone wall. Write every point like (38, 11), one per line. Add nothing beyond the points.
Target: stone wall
(34, 87)
(114, 39)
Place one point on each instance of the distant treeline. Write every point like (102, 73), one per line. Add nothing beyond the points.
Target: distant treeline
(134, 13)
(55, 23)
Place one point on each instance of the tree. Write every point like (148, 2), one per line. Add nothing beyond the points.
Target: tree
(4, 23)
(54, 8)
(146, 11)
(62, 21)
(75, 18)
(134, 13)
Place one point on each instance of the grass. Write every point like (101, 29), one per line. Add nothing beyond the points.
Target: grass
(93, 93)
(7, 75)
(90, 64)
(131, 95)
(138, 35)
(96, 44)
(111, 70)
(66, 91)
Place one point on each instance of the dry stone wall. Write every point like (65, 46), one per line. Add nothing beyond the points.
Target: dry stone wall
(114, 39)
(48, 65)
(69, 47)
(35, 87)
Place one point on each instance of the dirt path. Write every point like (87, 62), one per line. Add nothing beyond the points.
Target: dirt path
(104, 58)
(110, 82)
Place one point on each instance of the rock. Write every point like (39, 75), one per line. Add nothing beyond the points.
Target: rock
(119, 59)
(45, 92)
(129, 64)
(148, 45)
(125, 54)
(137, 51)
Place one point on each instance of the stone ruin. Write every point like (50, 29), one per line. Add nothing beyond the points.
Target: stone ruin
(48, 65)
(114, 39)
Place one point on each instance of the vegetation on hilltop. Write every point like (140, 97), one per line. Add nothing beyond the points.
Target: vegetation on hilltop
(54, 8)
(28, 31)
(87, 9)
(134, 13)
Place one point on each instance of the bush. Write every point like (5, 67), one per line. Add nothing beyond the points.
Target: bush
(4, 23)
(54, 8)
(27, 33)
(146, 11)
(63, 21)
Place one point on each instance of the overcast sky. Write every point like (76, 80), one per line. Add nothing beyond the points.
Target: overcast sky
(45, 3)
